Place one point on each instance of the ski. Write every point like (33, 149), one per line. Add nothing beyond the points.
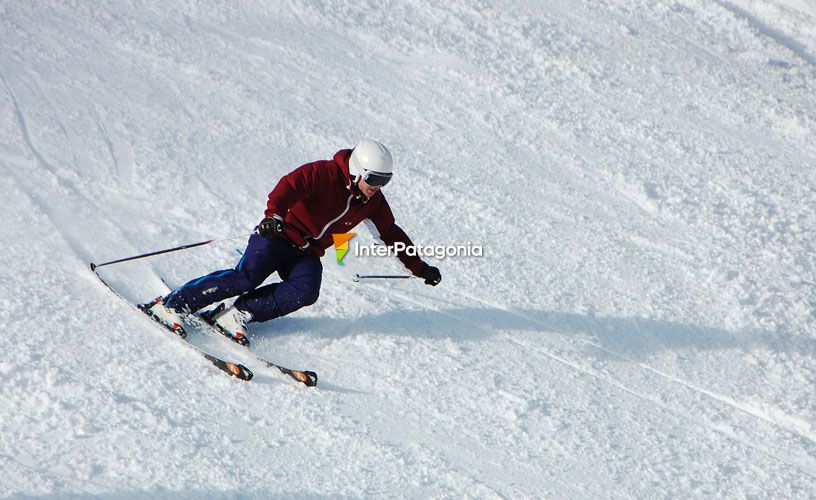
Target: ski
(234, 369)
(306, 377)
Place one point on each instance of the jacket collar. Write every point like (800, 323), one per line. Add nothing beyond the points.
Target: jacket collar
(342, 159)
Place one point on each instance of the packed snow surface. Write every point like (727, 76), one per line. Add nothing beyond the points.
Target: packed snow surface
(640, 174)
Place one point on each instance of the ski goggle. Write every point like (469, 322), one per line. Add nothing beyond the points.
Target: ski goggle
(376, 179)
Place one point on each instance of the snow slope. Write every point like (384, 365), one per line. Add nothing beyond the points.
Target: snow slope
(641, 174)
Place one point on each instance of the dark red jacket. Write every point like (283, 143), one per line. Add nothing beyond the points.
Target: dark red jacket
(318, 199)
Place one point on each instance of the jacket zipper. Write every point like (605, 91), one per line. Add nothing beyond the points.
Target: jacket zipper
(348, 205)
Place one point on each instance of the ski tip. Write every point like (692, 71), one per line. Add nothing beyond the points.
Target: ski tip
(247, 375)
(309, 379)
(238, 370)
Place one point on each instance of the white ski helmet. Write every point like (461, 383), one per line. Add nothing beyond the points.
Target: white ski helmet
(372, 162)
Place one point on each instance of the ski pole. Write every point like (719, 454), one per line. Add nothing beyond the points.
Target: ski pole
(168, 250)
(358, 277)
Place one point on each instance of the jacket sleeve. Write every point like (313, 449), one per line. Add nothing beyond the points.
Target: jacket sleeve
(382, 226)
(297, 185)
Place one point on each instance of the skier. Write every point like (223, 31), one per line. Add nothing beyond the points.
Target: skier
(306, 207)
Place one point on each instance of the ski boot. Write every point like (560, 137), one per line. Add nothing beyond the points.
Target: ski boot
(165, 316)
(231, 322)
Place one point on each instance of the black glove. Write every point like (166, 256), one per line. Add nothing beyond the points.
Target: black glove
(431, 276)
(270, 226)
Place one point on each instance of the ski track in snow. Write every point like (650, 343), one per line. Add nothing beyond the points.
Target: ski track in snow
(792, 425)
(776, 35)
(643, 322)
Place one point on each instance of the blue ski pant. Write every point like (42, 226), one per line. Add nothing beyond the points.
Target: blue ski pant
(301, 272)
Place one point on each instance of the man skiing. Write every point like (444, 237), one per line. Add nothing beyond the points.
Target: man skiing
(306, 207)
